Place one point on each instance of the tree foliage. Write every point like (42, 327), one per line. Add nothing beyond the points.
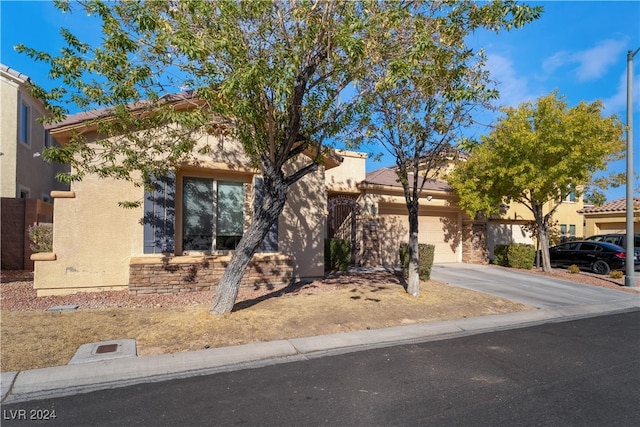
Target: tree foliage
(535, 155)
(267, 73)
(420, 94)
(276, 75)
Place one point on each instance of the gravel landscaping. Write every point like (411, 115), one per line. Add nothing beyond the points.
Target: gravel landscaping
(17, 293)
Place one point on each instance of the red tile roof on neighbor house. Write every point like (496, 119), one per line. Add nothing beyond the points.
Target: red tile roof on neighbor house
(388, 177)
(619, 205)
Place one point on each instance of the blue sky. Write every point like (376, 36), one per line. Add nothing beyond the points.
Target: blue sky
(578, 48)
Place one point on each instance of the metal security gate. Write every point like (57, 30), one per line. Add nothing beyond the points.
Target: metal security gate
(342, 222)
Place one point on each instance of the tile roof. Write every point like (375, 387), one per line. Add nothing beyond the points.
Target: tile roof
(619, 205)
(14, 73)
(83, 116)
(388, 177)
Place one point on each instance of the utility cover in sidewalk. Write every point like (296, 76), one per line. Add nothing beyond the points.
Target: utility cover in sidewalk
(104, 350)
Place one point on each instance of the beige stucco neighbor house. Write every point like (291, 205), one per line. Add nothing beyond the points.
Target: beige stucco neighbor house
(511, 225)
(24, 173)
(26, 179)
(610, 217)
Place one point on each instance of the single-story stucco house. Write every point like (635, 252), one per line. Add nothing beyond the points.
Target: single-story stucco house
(181, 237)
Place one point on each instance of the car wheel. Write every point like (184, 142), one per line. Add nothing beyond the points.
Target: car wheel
(600, 267)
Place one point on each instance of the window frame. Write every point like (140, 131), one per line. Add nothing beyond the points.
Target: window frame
(215, 246)
(23, 190)
(24, 132)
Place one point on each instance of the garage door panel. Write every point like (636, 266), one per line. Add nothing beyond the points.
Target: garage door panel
(442, 231)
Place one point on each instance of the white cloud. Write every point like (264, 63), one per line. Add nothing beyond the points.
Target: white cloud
(617, 103)
(589, 64)
(513, 89)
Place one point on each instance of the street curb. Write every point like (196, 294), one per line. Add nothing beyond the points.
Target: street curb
(67, 380)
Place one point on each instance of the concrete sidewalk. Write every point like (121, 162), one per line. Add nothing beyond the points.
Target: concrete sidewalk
(105, 374)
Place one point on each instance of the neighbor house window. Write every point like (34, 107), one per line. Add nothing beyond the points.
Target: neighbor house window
(563, 230)
(569, 195)
(212, 214)
(572, 230)
(24, 193)
(25, 116)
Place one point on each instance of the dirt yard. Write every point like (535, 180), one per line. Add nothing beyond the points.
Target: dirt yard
(33, 337)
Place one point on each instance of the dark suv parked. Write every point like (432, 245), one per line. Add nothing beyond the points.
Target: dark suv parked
(619, 239)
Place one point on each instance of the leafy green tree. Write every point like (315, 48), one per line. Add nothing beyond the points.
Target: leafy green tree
(270, 73)
(422, 91)
(533, 156)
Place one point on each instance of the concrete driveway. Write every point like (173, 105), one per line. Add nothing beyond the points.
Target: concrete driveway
(534, 290)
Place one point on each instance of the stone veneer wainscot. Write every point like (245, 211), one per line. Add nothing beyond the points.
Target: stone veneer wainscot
(178, 274)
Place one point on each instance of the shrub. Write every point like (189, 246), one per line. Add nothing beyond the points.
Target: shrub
(425, 259)
(573, 269)
(616, 274)
(500, 255)
(41, 236)
(337, 254)
(521, 255)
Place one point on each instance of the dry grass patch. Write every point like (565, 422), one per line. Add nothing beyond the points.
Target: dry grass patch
(37, 339)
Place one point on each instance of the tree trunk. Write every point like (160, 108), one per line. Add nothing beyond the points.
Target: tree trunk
(543, 237)
(413, 281)
(265, 215)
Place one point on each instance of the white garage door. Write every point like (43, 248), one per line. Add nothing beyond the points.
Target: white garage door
(442, 231)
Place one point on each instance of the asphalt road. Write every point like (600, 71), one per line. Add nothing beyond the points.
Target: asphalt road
(579, 373)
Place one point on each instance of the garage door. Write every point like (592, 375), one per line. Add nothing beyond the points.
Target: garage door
(442, 231)
(612, 227)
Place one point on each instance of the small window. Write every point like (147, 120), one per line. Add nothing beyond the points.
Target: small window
(572, 230)
(563, 230)
(47, 139)
(24, 193)
(25, 124)
(568, 195)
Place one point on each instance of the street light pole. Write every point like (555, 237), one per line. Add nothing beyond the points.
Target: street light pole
(629, 280)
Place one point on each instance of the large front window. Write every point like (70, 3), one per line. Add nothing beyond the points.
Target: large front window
(213, 214)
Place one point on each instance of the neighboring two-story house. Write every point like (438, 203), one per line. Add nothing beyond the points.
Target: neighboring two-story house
(26, 179)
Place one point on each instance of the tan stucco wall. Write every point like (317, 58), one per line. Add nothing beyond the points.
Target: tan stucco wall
(349, 174)
(93, 238)
(566, 213)
(301, 227)
(8, 136)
